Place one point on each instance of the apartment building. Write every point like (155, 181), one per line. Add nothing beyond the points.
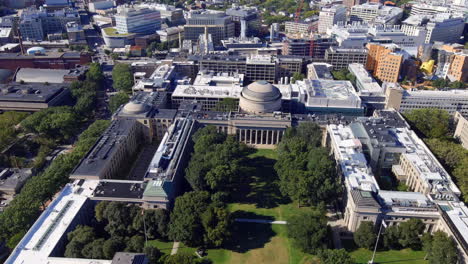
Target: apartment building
(292, 27)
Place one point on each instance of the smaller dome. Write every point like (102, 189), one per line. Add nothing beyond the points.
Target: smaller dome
(135, 108)
(35, 50)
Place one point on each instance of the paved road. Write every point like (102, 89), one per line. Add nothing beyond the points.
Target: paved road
(260, 221)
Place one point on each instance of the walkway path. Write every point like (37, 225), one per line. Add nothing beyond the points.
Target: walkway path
(260, 221)
(175, 247)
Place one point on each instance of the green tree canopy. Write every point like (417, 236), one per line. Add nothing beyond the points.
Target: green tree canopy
(334, 256)
(122, 77)
(185, 224)
(430, 122)
(227, 105)
(410, 232)
(441, 249)
(54, 122)
(307, 173)
(297, 76)
(308, 230)
(117, 100)
(365, 235)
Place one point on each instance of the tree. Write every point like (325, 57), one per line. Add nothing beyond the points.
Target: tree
(430, 122)
(93, 250)
(157, 223)
(365, 236)
(440, 83)
(441, 249)
(94, 73)
(122, 77)
(111, 246)
(297, 76)
(226, 105)
(114, 56)
(135, 244)
(153, 254)
(54, 122)
(185, 224)
(391, 236)
(308, 230)
(117, 100)
(81, 236)
(307, 173)
(340, 74)
(409, 233)
(216, 222)
(180, 258)
(107, 52)
(100, 209)
(333, 256)
(457, 85)
(15, 239)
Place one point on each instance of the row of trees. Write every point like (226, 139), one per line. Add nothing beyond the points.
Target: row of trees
(433, 125)
(8, 132)
(124, 231)
(440, 248)
(21, 213)
(60, 123)
(307, 172)
(122, 77)
(443, 83)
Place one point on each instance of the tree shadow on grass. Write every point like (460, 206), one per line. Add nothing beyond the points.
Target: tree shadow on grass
(249, 236)
(261, 184)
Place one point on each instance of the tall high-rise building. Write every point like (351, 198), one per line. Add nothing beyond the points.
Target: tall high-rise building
(142, 21)
(248, 14)
(384, 61)
(219, 25)
(330, 16)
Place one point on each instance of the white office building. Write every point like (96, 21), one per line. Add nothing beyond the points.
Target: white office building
(442, 27)
(137, 20)
(376, 13)
(331, 16)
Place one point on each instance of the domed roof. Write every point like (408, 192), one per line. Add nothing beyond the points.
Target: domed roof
(135, 108)
(261, 91)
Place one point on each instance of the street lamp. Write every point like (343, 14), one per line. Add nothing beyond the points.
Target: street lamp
(377, 241)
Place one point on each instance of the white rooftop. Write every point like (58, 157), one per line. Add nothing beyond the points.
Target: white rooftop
(329, 93)
(39, 242)
(348, 153)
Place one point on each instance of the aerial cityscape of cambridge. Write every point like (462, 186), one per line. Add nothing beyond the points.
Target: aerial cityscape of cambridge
(234, 131)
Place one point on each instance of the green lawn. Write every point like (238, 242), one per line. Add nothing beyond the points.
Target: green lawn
(164, 246)
(259, 243)
(404, 256)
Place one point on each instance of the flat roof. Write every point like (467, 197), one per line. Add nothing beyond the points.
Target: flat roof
(41, 75)
(102, 151)
(206, 91)
(44, 235)
(119, 189)
(30, 92)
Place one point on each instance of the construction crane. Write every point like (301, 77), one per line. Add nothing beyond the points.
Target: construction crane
(298, 11)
